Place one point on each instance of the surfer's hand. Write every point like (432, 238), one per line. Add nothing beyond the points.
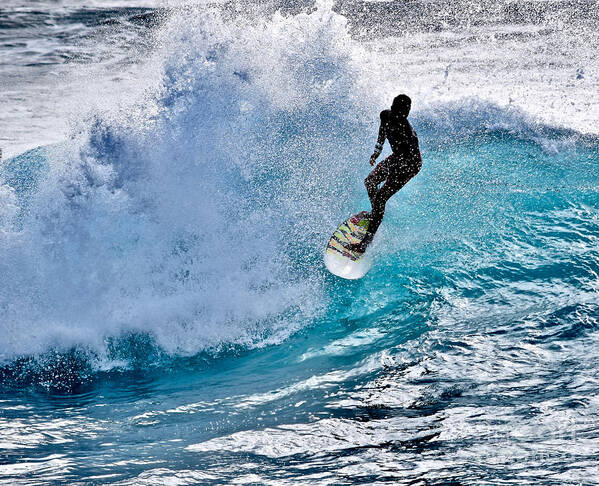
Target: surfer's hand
(372, 159)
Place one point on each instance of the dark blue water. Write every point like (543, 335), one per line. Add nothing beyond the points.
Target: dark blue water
(166, 317)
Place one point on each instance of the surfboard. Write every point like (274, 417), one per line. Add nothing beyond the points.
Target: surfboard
(341, 261)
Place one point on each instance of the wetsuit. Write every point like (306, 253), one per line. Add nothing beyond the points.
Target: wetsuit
(396, 170)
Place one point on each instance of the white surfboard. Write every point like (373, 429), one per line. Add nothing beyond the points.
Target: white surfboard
(343, 262)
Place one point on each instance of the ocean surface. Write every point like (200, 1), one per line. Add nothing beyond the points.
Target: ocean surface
(171, 174)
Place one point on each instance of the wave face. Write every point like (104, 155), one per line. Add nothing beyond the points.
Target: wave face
(163, 298)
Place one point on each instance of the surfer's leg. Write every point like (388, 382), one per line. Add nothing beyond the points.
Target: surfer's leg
(379, 197)
(378, 175)
(378, 208)
(376, 215)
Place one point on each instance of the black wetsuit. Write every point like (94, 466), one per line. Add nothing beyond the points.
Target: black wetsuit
(396, 170)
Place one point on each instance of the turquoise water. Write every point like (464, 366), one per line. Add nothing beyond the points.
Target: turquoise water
(167, 318)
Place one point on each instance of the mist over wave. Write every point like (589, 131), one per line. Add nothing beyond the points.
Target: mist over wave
(194, 214)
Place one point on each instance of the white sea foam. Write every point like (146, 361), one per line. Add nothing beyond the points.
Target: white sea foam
(189, 214)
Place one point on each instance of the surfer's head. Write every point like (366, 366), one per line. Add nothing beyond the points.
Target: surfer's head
(401, 105)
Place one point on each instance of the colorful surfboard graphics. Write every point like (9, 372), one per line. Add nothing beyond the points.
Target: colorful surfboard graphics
(352, 230)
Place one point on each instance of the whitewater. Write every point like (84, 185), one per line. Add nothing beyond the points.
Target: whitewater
(171, 175)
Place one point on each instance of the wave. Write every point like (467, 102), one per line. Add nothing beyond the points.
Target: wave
(192, 218)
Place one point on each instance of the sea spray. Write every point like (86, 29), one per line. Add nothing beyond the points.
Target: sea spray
(189, 215)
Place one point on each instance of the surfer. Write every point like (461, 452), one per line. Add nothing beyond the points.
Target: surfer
(397, 169)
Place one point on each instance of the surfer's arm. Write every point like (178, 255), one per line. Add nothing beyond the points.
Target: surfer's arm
(378, 148)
